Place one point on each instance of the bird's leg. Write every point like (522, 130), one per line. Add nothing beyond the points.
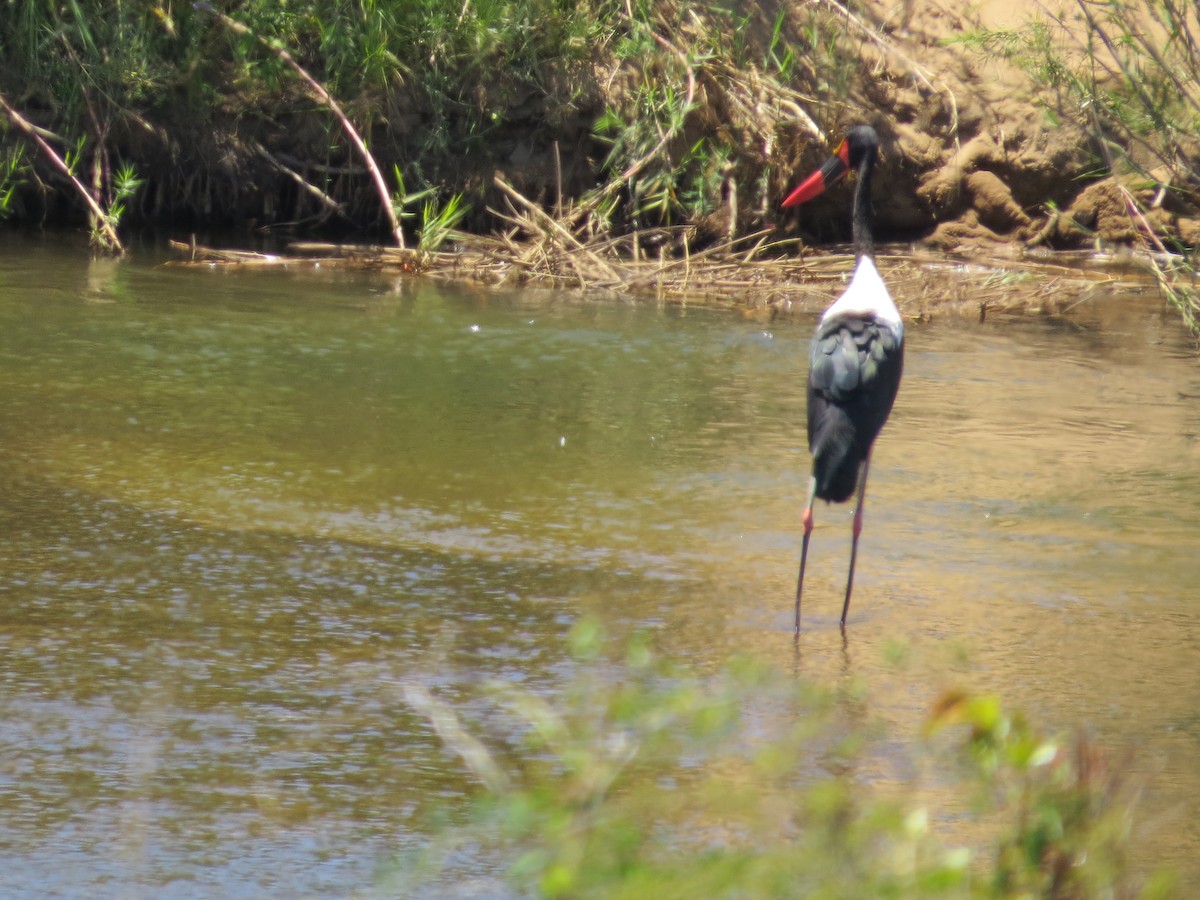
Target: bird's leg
(808, 527)
(858, 507)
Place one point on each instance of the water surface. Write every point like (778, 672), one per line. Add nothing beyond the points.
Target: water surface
(238, 510)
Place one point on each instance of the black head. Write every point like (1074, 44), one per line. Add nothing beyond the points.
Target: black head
(862, 143)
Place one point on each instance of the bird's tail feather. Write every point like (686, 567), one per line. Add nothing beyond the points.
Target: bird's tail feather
(835, 457)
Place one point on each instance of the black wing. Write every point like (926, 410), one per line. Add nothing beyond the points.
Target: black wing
(852, 383)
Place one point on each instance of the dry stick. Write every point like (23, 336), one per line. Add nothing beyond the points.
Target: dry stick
(535, 257)
(321, 197)
(100, 131)
(450, 728)
(558, 204)
(103, 225)
(753, 251)
(1148, 233)
(100, 157)
(690, 258)
(385, 197)
(554, 226)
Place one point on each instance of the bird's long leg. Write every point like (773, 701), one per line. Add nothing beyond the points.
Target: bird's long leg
(858, 508)
(808, 527)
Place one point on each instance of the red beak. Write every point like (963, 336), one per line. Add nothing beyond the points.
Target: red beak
(815, 184)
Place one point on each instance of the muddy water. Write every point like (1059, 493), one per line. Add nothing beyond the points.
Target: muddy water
(239, 510)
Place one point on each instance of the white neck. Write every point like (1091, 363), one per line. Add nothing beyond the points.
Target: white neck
(867, 294)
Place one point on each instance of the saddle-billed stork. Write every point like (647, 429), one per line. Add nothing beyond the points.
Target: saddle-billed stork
(857, 357)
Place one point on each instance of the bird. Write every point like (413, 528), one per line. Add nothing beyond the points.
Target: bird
(857, 356)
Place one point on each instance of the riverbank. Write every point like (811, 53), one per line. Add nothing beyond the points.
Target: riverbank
(629, 119)
(609, 130)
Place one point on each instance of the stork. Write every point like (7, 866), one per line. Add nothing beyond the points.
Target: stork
(857, 357)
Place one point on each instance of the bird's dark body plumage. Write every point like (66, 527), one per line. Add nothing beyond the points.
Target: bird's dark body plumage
(853, 378)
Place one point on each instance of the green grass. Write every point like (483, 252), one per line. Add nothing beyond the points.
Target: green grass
(13, 171)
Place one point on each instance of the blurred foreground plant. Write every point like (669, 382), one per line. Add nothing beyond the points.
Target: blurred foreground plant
(643, 780)
(1064, 810)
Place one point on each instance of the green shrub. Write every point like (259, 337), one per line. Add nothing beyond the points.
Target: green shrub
(644, 780)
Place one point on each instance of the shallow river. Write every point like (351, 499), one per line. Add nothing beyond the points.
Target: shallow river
(239, 509)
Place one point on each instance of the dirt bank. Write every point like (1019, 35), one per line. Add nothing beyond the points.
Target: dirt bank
(978, 156)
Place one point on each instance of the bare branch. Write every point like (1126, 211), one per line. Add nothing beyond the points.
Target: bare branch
(103, 224)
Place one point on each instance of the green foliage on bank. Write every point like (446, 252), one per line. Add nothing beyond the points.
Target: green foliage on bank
(652, 113)
(646, 780)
